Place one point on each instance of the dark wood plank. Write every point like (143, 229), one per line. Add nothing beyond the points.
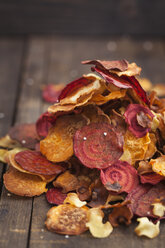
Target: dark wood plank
(15, 212)
(65, 56)
(93, 17)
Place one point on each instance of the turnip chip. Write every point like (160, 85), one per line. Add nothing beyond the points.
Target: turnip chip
(147, 228)
(58, 145)
(98, 145)
(120, 173)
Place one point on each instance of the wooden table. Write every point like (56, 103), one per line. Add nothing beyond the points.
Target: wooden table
(26, 63)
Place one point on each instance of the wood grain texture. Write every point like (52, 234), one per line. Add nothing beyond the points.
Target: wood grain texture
(95, 17)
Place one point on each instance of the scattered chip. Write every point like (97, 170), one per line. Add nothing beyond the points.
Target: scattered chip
(58, 145)
(23, 184)
(98, 145)
(67, 219)
(55, 196)
(147, 228)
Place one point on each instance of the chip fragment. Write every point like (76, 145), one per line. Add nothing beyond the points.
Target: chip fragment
(67, 219)
(72, 198)
(23, 184)
(147, 228)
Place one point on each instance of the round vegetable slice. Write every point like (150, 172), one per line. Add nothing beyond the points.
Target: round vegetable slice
(120, 173)
(98, 145)
(55, 196)
(34, 162)
(58, 145)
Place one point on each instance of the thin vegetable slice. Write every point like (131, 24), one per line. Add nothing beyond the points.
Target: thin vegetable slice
(151, 178)
(120, 173)
(23, 184)
(51, 92)
(98, 145)
(34, 162)
(55, 196)
(58, 145)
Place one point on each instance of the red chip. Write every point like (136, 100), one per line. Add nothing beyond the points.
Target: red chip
(55, 196)
(98, 145)
(51, 92)
(120, 173)
(151, 178)
(34, 162)
(25, 134)
(143, 196)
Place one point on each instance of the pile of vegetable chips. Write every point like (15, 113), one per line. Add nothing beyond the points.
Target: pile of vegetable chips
(98, 153)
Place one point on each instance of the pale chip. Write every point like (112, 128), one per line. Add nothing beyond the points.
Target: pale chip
(158, 165)
(67, 219)
(96, 226)
(158, 209)
(3, 153)
(73, 199)
(151, 147)
(7, 142)
(23, 184)
(147, 228)
(155, 121)
(132, 70)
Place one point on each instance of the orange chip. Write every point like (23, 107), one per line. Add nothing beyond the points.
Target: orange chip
(95, 114)
(14, 164)
(158, 165)
(23, 184)
(100, 99)
(66, 181)
(135, 148)
(67, 219)
(58, 145)
(151, 147)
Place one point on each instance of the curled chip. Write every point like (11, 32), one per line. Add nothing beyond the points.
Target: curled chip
(7, 142)
(158, 165)
(34, 162)
(67, 219)
(58, 145)
(95, 114)
(95, 224)
(100, 99)
(55, 196)
(23, 184)
(147, 228)
(139, 119)
(51, 92)
(151, 147)
(134, 148)
(146, 84)
(158, 208)
(98, 145)
(151, 178)
(120, 177)
(73, 199)
(66, 181)
(25, 134)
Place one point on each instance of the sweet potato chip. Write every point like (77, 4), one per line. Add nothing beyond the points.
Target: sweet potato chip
(72, 198)
(134, 148)
(25, 134)
(151, 147)
(95, 224)
(55, 196)
(98, 145)
(158, 165)
(122, 174)
(34, 162)
(7, 142)
(67, 219)
(147, 228)
(51, 92)
(58, 145)
(66, 181)
(23, 184)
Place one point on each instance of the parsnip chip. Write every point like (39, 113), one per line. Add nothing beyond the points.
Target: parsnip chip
(147, 228)
(73, 199)
(135, 148)
(158, 165)
(66, 181)
(7, 142)
(67, 219)
(96, 226)
(158, 209)
(23, 184)
(58, 145)
(3, 153)
(100, 99)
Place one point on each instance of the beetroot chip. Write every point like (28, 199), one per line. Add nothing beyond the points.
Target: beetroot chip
(98, 145)
(138, 119)
(25, 134)
(44, 123)
(55, 196)
(73, 86)
(120, 173)
(34, 162)
(151, 178)
(51, 92)
(143, 196)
